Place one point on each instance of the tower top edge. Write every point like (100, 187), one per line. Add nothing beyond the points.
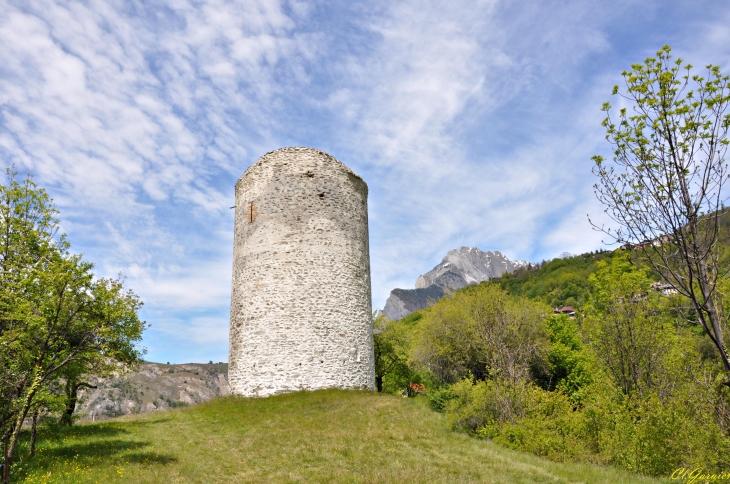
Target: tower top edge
(298, 149)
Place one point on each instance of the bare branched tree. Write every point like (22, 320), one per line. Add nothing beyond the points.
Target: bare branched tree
(664, 188)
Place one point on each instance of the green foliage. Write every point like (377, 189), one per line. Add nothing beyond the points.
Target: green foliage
(657, 433)
(484, 406)
(668, 119)
(569, 360)
(628, 327)
(412, 318)
(651, 435)
(627, 385)
(664, 189)
(484, 332)
(439, 398)
(632, 380)
(559, 282)
(392, 341)
(549, 428)
(56, 320)
(173, 403)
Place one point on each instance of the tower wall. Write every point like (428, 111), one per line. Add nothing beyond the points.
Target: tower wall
(301, 303)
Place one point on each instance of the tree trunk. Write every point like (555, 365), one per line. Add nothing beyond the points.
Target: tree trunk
(13, 436)
(714, 316)
(379, 383)
(6, 457)
(72, 391)
(33, 431)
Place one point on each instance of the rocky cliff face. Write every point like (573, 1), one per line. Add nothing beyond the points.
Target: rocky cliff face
(152, 387)
(458, 269)
(403, 302)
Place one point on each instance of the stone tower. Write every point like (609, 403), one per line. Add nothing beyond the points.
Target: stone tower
(300, 304)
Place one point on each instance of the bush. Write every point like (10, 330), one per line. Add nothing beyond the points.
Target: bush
(550, 428)
(486, 403)
(483, 332)
(655, 435)
(568, 360)
(630, 383)
(439, 398)
(175, 404)
(649, 435)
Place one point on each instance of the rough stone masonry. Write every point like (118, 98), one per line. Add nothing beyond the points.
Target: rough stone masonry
(301, 303)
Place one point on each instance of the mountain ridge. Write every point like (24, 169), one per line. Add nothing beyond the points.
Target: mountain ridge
(459, 268)
(152, 387)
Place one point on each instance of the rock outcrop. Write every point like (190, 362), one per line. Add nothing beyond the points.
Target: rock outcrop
(403, 302)
(468, 265)
(460, 268)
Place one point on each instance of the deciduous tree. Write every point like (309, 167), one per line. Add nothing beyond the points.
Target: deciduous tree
(627, 328)
(54, 315)
(483, 332)
(392, 345)
(665, 187)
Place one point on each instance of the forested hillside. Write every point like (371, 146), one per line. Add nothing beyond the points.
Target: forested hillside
(564, 281)
(632, 380)
(559, 282)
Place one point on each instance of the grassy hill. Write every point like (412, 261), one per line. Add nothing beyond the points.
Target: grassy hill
(324, 436)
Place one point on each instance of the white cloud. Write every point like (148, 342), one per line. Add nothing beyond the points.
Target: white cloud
(473, 123)
(128, 112)
(437, 72)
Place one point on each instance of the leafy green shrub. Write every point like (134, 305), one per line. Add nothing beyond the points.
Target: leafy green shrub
(412, 318)
(175, 404)
(486, 403)
(630, 382)
(550, 428)
(439, 398)
(656, 434)
(650, 434)
(484, 332)
(568, 359)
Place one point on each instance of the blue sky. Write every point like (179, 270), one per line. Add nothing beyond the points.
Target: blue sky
(473, 123)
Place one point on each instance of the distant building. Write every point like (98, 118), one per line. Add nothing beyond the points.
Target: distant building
(661, 240)
(664, 289)
(565, 310)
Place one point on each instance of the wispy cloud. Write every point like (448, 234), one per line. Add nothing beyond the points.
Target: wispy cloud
(132, 114)
(473, 123)
(443, 83)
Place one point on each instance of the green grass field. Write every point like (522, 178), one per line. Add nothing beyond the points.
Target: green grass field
(324, 436)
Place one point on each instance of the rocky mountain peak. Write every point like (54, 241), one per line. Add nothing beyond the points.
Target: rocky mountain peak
(468, 265)
(461, 267)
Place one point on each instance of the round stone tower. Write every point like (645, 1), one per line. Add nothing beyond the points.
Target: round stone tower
(300, 304)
